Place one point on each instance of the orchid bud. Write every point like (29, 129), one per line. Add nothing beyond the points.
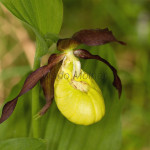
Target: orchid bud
(77, 95)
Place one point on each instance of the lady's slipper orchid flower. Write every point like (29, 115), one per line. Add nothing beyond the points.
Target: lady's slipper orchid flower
(79, 99)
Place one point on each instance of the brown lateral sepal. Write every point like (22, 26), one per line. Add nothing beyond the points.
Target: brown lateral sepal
(81, 53)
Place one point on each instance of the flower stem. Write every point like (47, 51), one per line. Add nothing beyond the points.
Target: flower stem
(35, 97)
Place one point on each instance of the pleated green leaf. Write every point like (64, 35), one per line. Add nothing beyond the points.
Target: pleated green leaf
(59, 133)
(23, 144)
(43, 16)
(104, 135)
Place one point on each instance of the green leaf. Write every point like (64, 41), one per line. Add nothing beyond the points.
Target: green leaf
(51, 38)
(43, 16)
(61, 134)
(23, 144)
(104, 135)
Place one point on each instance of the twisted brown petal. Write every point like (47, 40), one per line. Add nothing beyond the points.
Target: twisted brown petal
(86, 55)
(93, 37)
(47, 84)
(29, 83)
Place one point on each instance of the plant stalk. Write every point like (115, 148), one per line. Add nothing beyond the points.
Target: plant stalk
(35, 97)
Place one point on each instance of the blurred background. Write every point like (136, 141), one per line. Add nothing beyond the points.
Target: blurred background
(130, 22)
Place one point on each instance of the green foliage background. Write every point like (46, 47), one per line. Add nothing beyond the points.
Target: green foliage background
(129, 21)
